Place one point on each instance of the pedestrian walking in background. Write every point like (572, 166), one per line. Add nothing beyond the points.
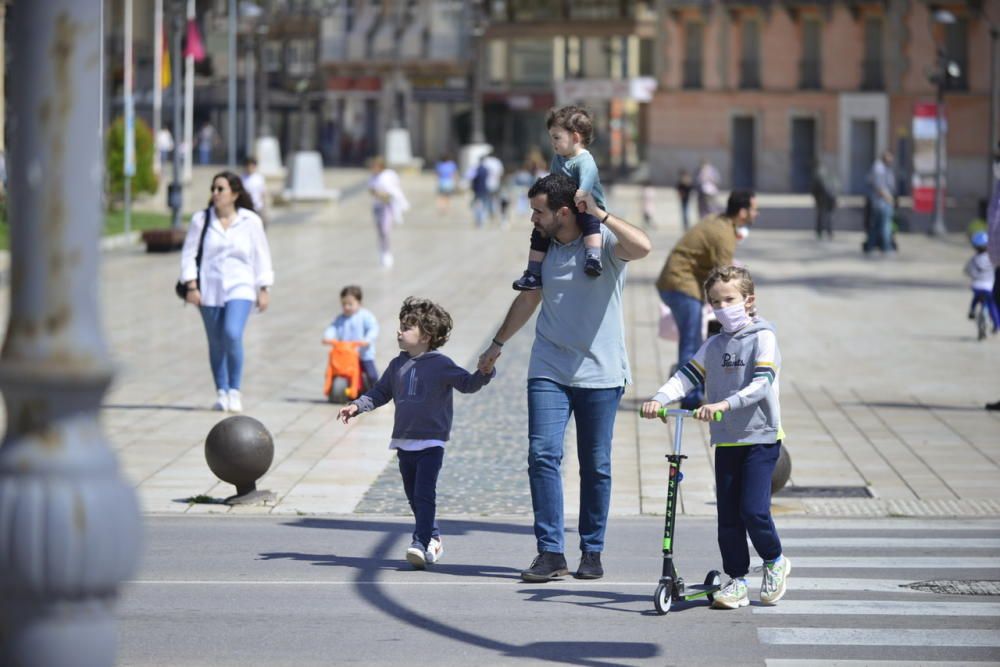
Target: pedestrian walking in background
(356, 323)
(824, 192)
(708, 245)
(882, 196)
(234, 273)
(207, 138)
(164, 144)
(748, 438)
(388, 205)
(482, 201)
(447, 181)
(707, 182)
(993, 238)
(256, 187)
(420, 382)
(685, 184)
(578, 366)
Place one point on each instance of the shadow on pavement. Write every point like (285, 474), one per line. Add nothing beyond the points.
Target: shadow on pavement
(179, 408)
(394, 564)
(369, 568)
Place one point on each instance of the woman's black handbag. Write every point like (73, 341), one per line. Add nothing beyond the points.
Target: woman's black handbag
(180, 288)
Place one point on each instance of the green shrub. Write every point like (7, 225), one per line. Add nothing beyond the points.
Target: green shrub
(114, 156)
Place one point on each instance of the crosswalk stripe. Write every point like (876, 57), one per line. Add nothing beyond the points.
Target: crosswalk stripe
(796, 584)
(950, 543)
(929, 562)
(786, 662)
(881, 608)
(786, 523)
(885, 637)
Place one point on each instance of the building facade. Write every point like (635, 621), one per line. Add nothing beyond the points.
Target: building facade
(396, 64)
(762, 89)
(539, 54)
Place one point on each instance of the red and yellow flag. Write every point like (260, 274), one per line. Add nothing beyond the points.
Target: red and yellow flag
(165, 71)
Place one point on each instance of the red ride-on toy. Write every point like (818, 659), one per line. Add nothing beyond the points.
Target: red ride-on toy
(344, 379)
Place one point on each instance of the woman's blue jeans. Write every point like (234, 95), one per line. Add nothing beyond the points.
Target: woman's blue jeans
(687, 314)
(224, 327)
(550, 406)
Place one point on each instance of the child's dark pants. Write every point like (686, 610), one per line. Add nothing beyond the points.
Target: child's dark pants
(420, 472)
(743, 493)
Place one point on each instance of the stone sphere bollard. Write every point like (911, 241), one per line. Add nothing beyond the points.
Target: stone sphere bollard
(239, 450)
(782, 470)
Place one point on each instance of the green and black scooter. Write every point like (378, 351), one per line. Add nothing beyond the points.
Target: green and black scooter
(672, 587)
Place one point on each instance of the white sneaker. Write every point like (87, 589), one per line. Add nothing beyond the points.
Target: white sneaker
(221, 401)
(416, 555)
(387, 260)
(235, 402)
(732, 596)
(434, 550)
(772, 588)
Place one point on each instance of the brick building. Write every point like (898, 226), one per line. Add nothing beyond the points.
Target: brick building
(762, 88)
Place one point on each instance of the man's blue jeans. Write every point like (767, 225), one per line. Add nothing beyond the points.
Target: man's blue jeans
(687, 314)
(550, 406)
(224, 327)
(880, 230)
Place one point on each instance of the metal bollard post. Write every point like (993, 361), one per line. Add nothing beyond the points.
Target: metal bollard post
(69, 523)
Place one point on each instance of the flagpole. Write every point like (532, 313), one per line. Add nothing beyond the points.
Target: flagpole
(157, 82)
(129, 162)
(188, 102)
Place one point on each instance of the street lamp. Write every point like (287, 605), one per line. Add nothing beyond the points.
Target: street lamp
(943, 71)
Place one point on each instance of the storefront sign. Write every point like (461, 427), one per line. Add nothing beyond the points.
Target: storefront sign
(925, 133)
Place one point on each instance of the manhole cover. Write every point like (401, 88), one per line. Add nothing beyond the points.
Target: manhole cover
(824, 492)
(957, 587)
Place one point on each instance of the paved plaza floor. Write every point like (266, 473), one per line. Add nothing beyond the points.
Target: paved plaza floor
(883, 382)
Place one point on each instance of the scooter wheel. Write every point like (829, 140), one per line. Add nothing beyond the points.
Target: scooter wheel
(663, 597)
(713, 578)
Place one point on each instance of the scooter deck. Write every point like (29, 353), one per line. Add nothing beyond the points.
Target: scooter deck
(695, 591)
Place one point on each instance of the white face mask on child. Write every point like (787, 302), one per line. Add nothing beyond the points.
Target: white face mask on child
(742, 233)
(732, 318)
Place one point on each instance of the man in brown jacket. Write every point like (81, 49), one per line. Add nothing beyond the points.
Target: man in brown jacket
(709, 244)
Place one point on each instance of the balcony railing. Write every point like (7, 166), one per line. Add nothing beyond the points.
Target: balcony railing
(872, 75)
(810, 74)
(750, 74)
(692, 74)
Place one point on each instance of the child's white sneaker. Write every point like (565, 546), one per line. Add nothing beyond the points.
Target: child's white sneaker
(434, 550)
(221, 401)
(235, 401)
(416, 555)
(732, 596)
(772, 588)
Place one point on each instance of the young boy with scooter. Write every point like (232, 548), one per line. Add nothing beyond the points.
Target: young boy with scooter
(739, 369)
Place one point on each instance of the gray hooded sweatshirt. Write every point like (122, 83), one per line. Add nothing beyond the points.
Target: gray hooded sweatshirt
(742, 369)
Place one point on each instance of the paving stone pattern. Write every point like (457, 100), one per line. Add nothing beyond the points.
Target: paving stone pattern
(485, 465)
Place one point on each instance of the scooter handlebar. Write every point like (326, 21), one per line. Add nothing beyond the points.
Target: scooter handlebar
(665, 412)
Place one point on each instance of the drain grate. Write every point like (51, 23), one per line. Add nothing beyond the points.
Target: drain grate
(824, 492)
(957, 587)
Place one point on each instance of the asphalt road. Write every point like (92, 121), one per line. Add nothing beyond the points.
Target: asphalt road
(336, 590)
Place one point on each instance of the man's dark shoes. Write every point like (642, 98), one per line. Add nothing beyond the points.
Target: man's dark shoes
(528, 282)
(546, 567)
(590, 566)
(593, 267)
(993, 406)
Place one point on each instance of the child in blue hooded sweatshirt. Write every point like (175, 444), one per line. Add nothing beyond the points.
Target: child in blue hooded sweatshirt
(739, 368)
(420, 382)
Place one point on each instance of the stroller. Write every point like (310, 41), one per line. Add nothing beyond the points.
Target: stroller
(344, 380)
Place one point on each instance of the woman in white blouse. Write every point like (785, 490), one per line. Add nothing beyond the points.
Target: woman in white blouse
(235, 273)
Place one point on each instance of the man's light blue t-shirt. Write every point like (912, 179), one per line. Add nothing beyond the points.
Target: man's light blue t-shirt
(359, 326)
(582, 170)
(580, 333)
